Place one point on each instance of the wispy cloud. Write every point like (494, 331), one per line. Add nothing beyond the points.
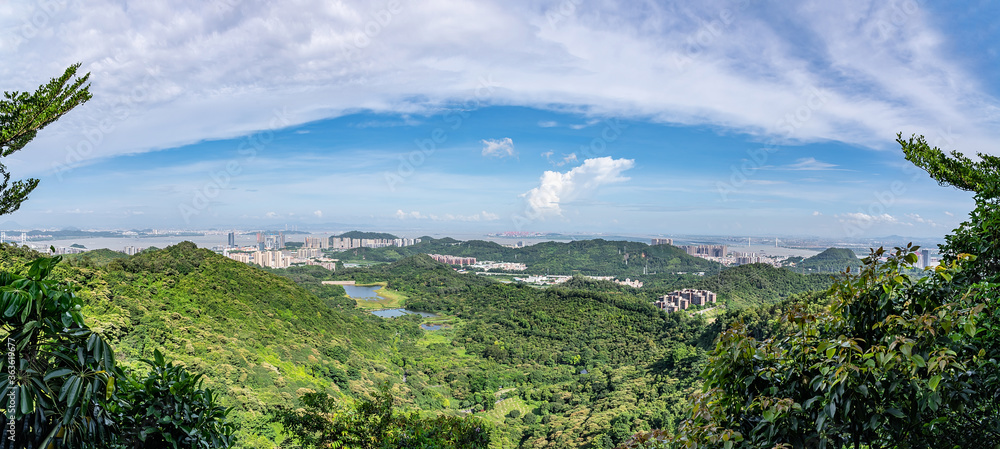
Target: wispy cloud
(809, 164)
(499, 148)
(565, 159)
(416, 215)
(917, 218)
(840, 74)
(863, 219)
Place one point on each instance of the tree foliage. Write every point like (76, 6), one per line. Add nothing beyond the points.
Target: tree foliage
(68, 390)
(894, 362)
(980, 234)
(63, 373)
(168, 408)
(23, 114)
(325, 422)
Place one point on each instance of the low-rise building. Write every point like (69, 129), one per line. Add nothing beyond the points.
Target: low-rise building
(453, 260)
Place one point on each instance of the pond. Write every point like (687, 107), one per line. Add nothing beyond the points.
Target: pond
(393, 313)
(430, 327)
(367, 293)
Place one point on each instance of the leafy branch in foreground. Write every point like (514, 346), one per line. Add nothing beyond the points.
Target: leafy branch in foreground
(68, 391)
(22, 115)
(63, 373)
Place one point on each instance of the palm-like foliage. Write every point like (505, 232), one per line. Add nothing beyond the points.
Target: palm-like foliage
(60, 373)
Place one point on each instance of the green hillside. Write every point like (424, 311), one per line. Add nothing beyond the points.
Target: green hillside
(97, 257)
(260, 339)
(832, 260)
(366, 235)
(583, 365)
(590, 257)
(761, 284)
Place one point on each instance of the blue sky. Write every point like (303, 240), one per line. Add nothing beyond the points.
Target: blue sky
(718, 117)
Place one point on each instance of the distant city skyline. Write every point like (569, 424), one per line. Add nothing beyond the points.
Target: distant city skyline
(712, 117)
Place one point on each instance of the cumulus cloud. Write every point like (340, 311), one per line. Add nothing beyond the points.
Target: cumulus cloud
(318, 213)
(817, 213)
(271, 215)
(556, 189)
(499, 148)
(416, 215)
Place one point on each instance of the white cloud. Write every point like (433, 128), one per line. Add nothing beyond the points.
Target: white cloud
(566, 159)
(917, 218)
(548, 124)
(499, 148)
(318, 213)
(809, 163)
(271, 215)
(415, 215)
(865, 219)
(556, 189)
(949, 214)
(817, 213)
(178, 82)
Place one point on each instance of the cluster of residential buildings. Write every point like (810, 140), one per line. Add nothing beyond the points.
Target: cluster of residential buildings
(132, 250)
(655, 242)
(59, 250)
(271, 251)
(316, 243)
(345, 243)
(453, 260)
(682, 299)
(748, 258)
(705, 251)
(281, 258)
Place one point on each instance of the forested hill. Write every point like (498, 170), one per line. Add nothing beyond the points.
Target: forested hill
(582, 365)
(832, 260)
(590, 257)
(366, 235)
(260, 339)
(96, 257)
(761, 284)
